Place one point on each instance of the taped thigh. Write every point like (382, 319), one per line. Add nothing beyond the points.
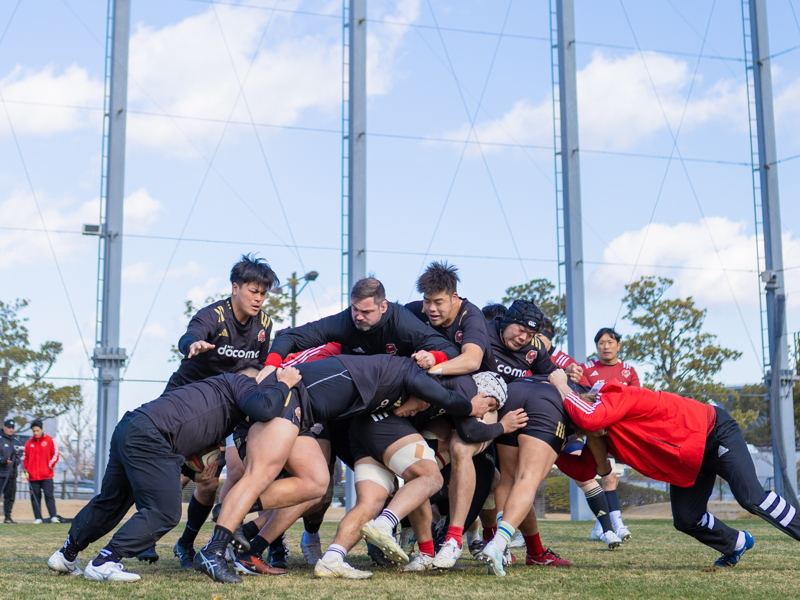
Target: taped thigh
(409, 454)
(376, 474)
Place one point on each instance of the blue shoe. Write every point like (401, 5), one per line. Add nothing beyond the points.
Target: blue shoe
(730, 560)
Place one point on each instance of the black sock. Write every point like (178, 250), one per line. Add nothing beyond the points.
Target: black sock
(219, 539)
(107, 554)
(70, 550)
(404, 522)
(613, 500)
(257, 545)
(196, 515)
(310, 527)
(250, 530)
(277, 545)
(599, 507)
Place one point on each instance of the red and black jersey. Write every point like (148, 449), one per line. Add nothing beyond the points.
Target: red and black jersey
(234, 342)
(469, 327)
(623, 372)
(510, 364)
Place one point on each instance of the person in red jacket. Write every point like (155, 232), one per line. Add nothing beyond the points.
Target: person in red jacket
(41, 455)
(684, 443)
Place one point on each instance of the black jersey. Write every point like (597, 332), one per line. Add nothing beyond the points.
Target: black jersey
(216, 324)
(398, 333)
(201, 414)
(469, 327)
(547, 418)
(531, 359)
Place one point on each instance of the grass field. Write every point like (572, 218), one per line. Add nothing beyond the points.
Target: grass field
(658, 563)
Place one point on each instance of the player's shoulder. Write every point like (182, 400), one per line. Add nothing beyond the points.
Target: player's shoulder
(415, 306)
(265, 319)
(590, 363)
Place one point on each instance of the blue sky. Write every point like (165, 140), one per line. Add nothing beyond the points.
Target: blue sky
(640, 67)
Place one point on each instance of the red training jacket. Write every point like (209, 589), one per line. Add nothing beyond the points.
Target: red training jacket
(624, 372)
(661, 435)
(562, 360)
(41, 455)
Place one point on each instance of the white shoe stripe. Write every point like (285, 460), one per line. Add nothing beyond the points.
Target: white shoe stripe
(768, 500)
(789, 516)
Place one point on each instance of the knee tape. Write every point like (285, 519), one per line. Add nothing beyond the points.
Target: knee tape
(408, 455)
(490, 503)
(376, 474)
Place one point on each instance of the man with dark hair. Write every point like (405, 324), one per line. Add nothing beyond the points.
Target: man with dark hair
(682, 442)
(371, 325)
(516, 349)
(148, 447)
(607, 366)
(494, 311)
(41, 456)
(9, 459)
(220, 337)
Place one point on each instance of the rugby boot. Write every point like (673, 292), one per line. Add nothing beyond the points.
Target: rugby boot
(548, 558)
(611, 539)
(311, 547)
(148, 555)
(215, 566)
(448, 554)
(251, 564)
(517, 541)
(338, 569)
(59, 563)
(420, 562)
(493, 558)
(109, 571)
(476, 547)
(378, 557)
(240, 542)
(731, 560)
(623, 533)
(383, 539)
(279, 553)
(184, 555)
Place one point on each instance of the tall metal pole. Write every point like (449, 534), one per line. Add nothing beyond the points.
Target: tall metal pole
(781, 375)
(293, 288)
(108, 356)
(571, 198)
(357, 166)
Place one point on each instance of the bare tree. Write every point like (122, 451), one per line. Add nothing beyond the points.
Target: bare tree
(77, 442)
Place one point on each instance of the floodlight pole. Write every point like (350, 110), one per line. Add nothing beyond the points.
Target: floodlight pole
(780, 376)
(357, 166)
(108, 356)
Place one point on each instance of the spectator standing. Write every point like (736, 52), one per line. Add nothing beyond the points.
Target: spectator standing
(9, 445)
(41, 455)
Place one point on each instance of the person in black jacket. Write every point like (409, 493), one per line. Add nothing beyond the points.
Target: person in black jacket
(9, 459)
(371, 325)
(148, 447)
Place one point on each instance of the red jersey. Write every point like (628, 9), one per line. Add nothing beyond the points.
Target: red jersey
(563, 360)
(623, 372)
(661, 435)
(41, 455)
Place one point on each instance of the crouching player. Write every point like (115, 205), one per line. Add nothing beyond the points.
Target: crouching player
(148, 447)
(684, 443)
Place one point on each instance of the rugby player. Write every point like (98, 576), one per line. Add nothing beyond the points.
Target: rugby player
(333, 388)
(218, 337)
(684, 443)
(148, 447)
(606, 367)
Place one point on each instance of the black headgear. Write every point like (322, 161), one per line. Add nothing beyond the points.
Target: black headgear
(524, 313)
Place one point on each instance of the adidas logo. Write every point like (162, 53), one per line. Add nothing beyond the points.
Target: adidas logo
(359, 350)
(593, 374)
(722, 450)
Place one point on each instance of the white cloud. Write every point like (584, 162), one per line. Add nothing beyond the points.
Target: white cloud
(143, 272)
(70, 88)
(140, 211)
(210, 288)
(689, 245)
(618, 107)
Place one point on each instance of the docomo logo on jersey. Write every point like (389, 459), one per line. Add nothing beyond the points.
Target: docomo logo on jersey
(506, 370)
(232, 352)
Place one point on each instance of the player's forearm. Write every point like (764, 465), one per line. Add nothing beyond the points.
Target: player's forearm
(472, 431)
(187, 339)
(426, 389)
(460, 365)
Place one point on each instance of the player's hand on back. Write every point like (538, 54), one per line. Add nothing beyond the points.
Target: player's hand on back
(575, 372)
(481, 404)
(290, 376)
(425, 359)
(513, 420)
(199, 347)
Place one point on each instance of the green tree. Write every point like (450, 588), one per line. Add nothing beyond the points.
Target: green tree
(23, 389)
(542, 292)
(277, 305)
(671, 340)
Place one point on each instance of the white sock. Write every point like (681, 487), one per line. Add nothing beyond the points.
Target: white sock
(387, 520)
(473, 535)
(616, 519)
(740, 541)
(335, 552)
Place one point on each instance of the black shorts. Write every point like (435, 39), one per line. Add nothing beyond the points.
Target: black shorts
(546, 422)
(371, 435)
(339, 436)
